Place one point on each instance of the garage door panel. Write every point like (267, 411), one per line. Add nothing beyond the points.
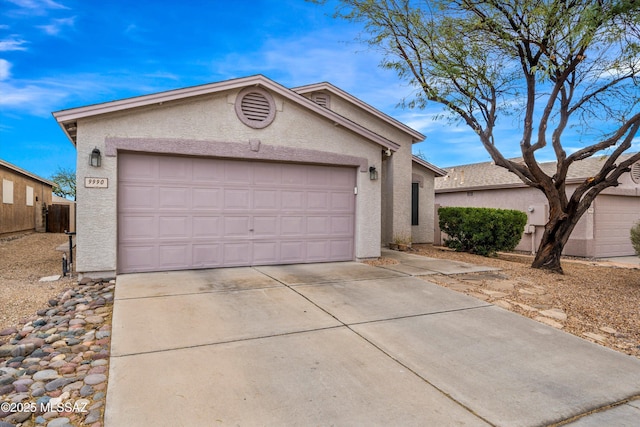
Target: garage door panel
(206, 226)
(134, 197)
(174, 169)
(318, 250)
(174, 227)
(292, 200)
(207, 255)
(265, 200)
(293, 225)
(237, 199)
(318, 225)
(181, 212)
(317, 200)
(292, 251)
(174, 255)
(266, 252)
(237, 173)
(132, 227)
(138, 167)
(341, 202)
(236, 226)
(266, 226)
(173, 197)
(341, 225)
(138, 258)
(235, 254)
(206, 198)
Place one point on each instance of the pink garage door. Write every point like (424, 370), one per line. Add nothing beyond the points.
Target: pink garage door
(182, 213)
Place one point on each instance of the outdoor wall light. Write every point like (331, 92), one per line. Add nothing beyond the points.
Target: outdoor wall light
(373, 173)
(95, 159)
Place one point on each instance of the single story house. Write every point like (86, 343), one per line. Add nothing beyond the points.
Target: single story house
(238, 173)
(24, 197)
(602, 232)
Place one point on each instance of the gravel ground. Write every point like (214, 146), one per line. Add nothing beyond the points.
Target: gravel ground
(596, 301)
(24, 259)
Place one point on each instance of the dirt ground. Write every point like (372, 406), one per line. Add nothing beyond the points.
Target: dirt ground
(24, 259)
(595, 302)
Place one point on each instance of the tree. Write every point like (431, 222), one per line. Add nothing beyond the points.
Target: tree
(558, 64)
(65, 180)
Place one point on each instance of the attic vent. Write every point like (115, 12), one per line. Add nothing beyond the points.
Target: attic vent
(635, 172)
(255, 107)
(321, 99)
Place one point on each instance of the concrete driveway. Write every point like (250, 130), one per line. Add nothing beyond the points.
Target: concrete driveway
(348, 344)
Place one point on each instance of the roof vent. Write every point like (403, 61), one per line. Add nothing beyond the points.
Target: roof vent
(322, 99)
(635, 172)
(255, 107)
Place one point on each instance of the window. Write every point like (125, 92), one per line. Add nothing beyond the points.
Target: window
(29, 196)
(7, 191)
(255, 107)
(414, 203)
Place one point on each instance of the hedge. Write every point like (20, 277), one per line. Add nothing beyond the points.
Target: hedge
(635, 238)
(482, 231)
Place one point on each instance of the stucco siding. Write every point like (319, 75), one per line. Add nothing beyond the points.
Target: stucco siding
(424, 231)
(201, 122)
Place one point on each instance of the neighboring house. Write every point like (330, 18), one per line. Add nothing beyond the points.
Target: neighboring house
(24, 199)
(241, 172)
(603, 231)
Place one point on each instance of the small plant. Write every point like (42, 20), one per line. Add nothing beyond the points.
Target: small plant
(635, 237)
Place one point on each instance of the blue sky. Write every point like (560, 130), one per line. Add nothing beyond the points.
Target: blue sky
(59, 54)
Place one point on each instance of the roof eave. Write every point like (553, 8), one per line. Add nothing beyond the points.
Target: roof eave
(415, 135)
(436, 170)
(68, 118)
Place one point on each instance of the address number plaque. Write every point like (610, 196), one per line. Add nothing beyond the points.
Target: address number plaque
(96, 182)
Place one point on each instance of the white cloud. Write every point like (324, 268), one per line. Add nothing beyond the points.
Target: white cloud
(5, 69)
(57, 25)
(38, 5)
(11, 44)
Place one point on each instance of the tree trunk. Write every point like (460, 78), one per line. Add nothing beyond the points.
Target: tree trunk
(556, 234)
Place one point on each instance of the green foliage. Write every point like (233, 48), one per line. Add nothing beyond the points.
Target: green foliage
(65, 180)
(482, 231)
(635, 237)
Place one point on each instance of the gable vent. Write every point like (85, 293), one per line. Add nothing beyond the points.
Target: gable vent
(635, 172)
(321, 99)
(255, 107)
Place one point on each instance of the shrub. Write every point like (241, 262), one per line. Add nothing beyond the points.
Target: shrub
(635, 237)
(482, 231)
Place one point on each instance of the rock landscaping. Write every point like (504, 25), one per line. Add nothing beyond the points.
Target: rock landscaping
(54, 366)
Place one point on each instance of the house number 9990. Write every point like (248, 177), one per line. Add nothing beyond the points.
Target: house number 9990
(96, 182)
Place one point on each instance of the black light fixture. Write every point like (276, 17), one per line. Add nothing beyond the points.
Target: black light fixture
(373, 173)
(95, 159)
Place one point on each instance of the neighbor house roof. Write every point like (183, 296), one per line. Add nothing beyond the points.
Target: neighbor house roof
(487, 175)
(436, 170)
(20, 171)
(68, 119)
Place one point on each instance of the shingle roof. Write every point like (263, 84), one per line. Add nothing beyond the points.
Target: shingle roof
(488, 175)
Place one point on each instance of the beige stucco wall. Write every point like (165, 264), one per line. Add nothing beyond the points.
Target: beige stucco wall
(212, 119)
(395, 171)
(424, 231)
